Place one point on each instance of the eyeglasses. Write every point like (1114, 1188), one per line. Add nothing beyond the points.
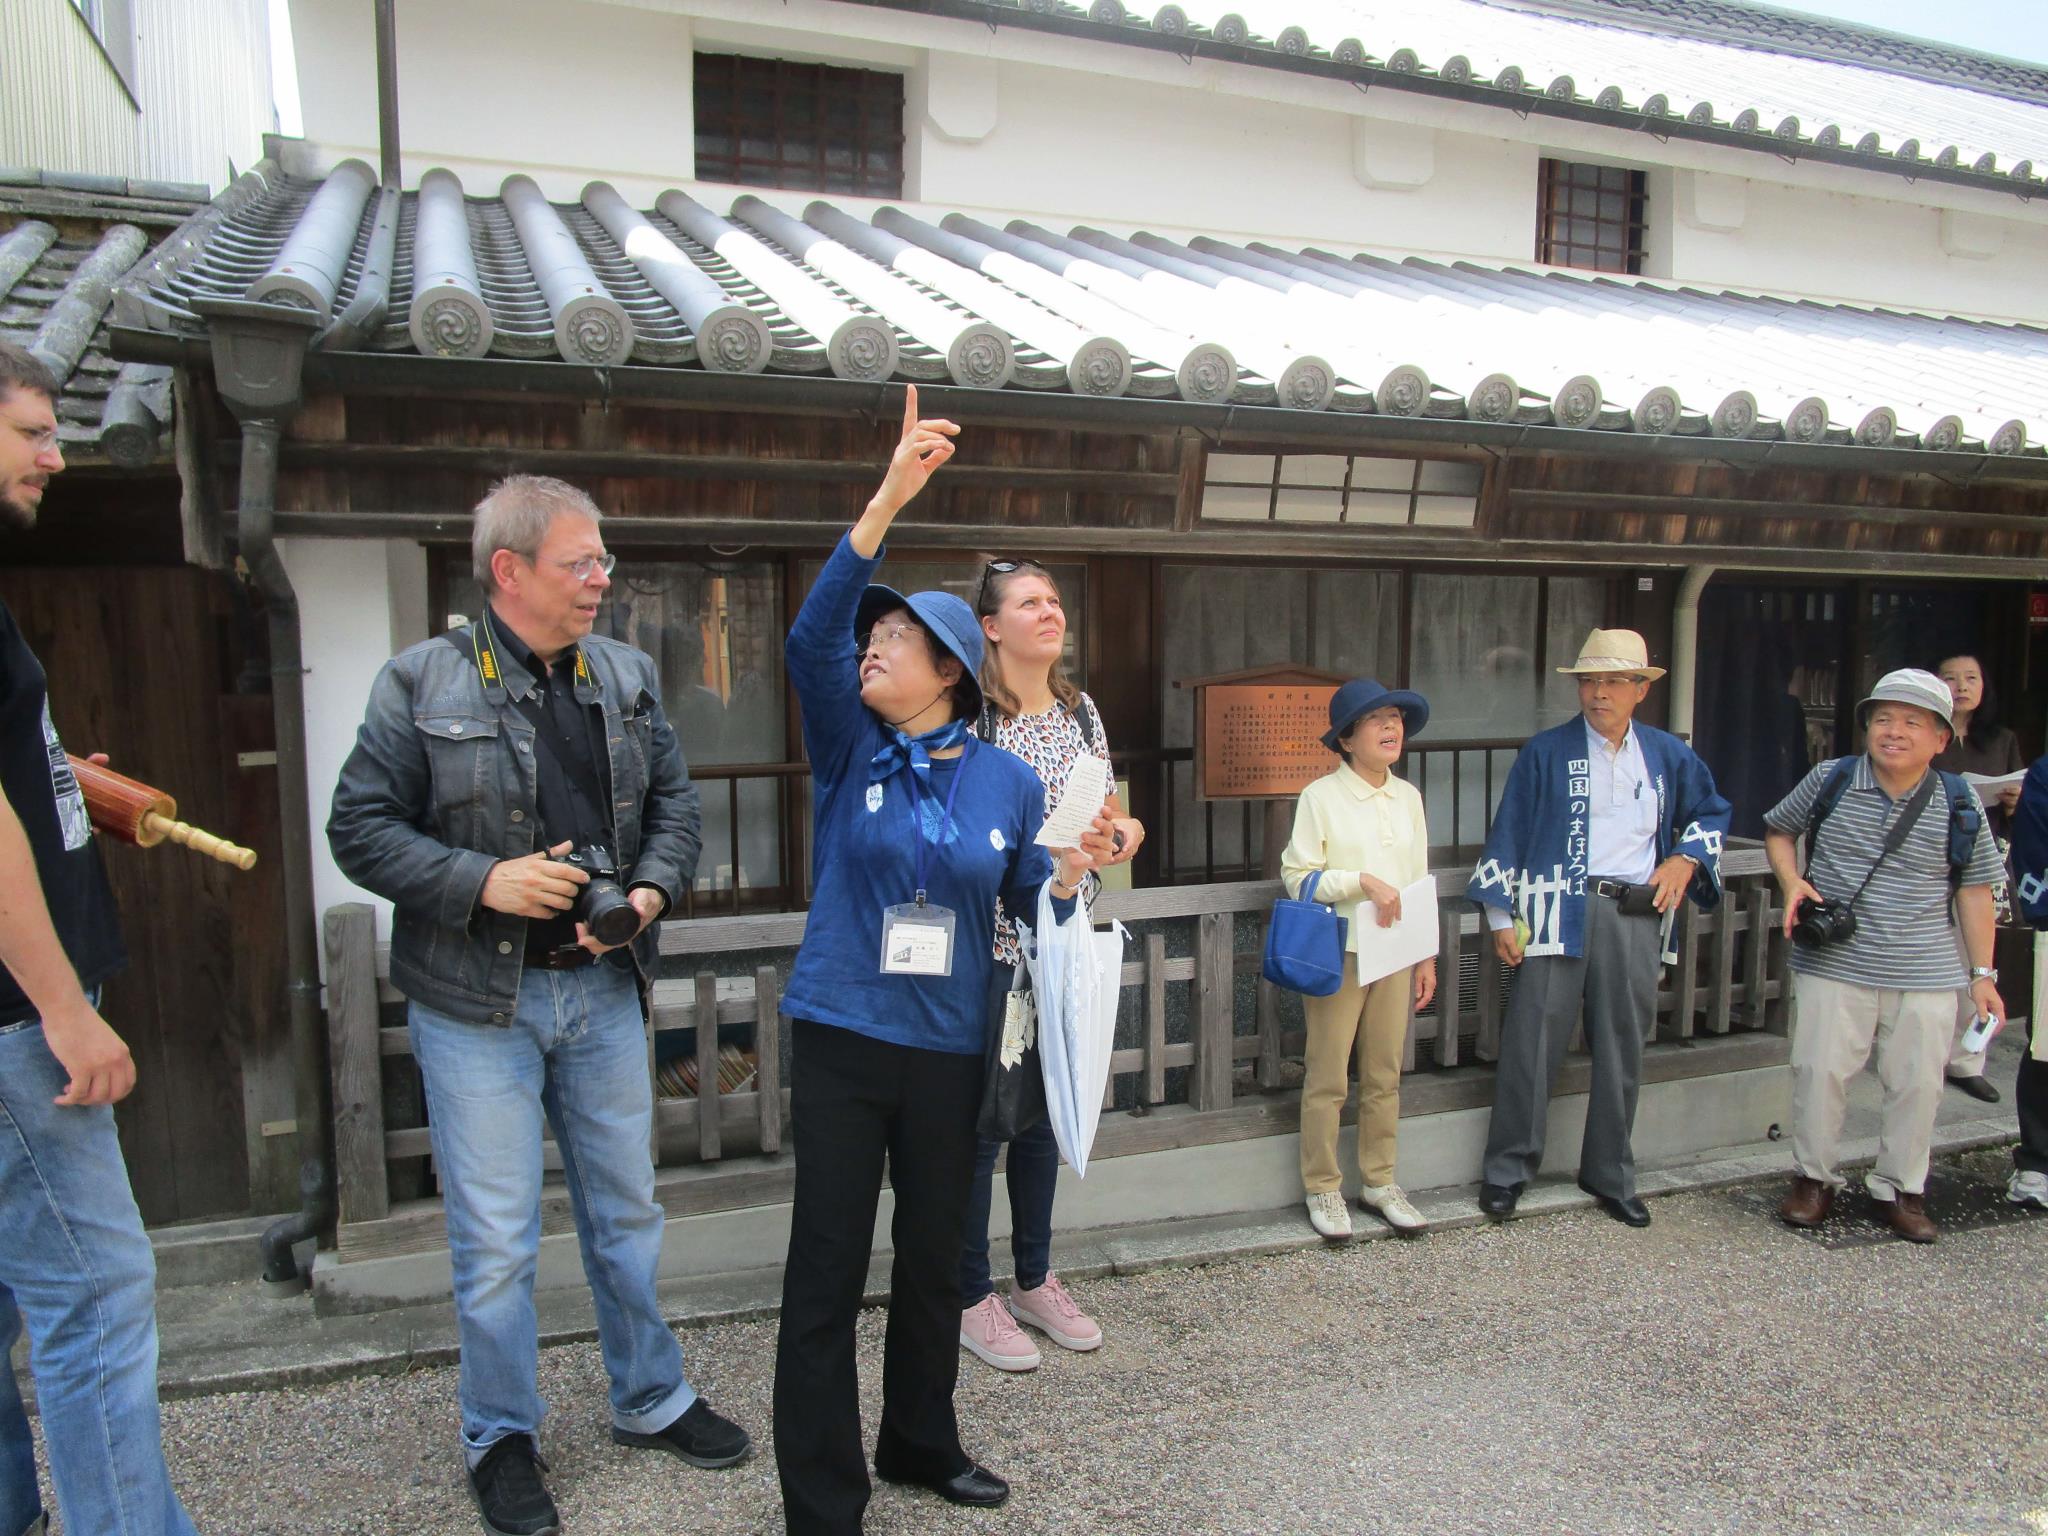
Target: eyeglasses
(1000, 568)
(888, 634)
(41, 439)
(585, 568)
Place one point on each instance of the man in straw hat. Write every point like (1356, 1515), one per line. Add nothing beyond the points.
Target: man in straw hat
(1900, 852)
(1603, 828)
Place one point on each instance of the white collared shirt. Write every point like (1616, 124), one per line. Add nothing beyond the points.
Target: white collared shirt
(1621, 819)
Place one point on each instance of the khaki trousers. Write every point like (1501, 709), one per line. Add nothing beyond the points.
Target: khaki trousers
(1834, 1025)
(1374, 1020)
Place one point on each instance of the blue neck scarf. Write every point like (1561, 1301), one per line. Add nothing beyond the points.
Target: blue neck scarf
(916, 751)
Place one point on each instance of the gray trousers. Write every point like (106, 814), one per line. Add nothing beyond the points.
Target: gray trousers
(1616, 983)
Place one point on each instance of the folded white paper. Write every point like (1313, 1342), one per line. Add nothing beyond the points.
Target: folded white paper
(1411, 939)
(1983, 781)
(1088, 784)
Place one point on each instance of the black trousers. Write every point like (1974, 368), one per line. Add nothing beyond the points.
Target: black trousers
(2031, 1155)
(855, 1100)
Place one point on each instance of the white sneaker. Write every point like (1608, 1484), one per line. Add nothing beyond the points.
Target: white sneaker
(988, 1329)
(2028, 1187)
(1328, 1215)
(1392, 1207)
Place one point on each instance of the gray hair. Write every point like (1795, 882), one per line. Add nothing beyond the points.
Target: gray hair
(516, 515)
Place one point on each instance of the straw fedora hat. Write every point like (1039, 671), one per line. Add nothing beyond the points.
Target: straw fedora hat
(1615, 650)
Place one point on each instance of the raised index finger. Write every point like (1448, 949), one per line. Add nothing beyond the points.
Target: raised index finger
(909, 409)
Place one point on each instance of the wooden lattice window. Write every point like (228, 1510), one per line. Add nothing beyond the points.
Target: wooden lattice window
(1590, 216)
(807, 127)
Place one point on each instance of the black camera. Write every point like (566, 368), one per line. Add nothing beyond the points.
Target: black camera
(1821, 923)
(602, 907)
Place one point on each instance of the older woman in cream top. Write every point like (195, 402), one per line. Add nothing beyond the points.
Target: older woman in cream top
(1363, 831)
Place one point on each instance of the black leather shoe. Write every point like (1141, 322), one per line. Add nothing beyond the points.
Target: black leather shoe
(702, 1437)
(976, 1487)
(509, 1494)
(1498, 1200)
(1630, 1212)
(1977, 1086)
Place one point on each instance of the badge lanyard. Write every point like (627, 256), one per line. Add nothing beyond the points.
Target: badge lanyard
(917, 939)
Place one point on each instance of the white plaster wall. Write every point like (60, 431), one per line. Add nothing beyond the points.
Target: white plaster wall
(360, 602)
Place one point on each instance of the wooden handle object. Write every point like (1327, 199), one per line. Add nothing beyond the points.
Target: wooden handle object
(135, 813)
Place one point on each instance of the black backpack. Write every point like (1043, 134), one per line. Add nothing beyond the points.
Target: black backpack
(1965, 821)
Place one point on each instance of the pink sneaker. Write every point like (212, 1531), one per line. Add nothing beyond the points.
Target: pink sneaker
(1053, 1313)
(988, 1329)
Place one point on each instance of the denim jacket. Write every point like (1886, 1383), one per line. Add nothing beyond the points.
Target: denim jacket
(441, 786)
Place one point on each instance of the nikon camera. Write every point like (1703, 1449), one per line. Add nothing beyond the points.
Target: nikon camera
(602, 907)
(1821, 923)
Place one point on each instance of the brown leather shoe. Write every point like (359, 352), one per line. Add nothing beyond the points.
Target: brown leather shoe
(1807, 1203)
(1908, 1217)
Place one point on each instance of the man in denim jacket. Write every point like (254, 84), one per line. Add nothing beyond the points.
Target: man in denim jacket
(489, 756)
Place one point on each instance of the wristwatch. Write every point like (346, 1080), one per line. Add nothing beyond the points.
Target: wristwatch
(1984, 973)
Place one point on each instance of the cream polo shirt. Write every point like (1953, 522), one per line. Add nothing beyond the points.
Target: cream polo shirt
(1345, 827)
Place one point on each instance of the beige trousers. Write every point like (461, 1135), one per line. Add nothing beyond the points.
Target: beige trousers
(1834, 1025)
(1374, 1021)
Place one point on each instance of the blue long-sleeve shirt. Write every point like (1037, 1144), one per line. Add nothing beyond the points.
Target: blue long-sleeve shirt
(864, 845)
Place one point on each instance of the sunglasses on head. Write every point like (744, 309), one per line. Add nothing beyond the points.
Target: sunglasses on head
(1001, 568)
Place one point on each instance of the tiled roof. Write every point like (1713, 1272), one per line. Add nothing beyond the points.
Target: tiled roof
(1085, 311)
(65, 243)
(1738, 73)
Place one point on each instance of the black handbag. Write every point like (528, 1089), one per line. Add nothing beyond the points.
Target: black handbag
(1013, 1080)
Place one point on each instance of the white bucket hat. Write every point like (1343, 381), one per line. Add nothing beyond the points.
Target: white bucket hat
(1909, 685)
(1615, 650)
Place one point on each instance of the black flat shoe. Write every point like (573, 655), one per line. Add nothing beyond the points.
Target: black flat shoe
(976, 1487)
(1497, 1201)
(510, 1497)
(1630, 1212)
(1977, 1087)
(702, 1436)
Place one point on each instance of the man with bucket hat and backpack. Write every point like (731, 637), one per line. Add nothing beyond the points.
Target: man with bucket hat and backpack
(1604, 826)
(1898, 857)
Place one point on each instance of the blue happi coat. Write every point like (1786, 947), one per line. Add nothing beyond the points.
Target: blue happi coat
(1534, 864)
(2030, 847)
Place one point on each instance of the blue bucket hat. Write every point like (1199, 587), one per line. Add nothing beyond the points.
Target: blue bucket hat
(949, 618)
(1361, 696)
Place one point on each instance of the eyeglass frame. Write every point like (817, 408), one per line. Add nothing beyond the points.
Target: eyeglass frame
(41, 439)
(895, 632)
(590, 565)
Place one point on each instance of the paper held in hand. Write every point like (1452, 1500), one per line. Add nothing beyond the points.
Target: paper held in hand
(1411, 939)
(1983, 781)
(1088, 783)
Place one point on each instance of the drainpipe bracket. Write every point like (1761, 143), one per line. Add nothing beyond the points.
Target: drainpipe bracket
(259, 352)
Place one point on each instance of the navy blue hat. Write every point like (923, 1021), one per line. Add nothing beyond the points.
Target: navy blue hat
(1363, 695)
(949, 618)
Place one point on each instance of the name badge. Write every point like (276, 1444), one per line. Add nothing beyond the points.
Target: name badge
(917, 940)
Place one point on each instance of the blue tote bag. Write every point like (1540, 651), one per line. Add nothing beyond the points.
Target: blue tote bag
(1305, 944)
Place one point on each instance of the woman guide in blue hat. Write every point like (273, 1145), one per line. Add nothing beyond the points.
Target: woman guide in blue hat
(917, 830)
(1359, 840)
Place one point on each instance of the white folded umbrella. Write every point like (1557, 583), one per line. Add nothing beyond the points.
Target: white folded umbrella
(1076, 976)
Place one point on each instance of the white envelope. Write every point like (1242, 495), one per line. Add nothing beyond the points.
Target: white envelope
(1412, 939)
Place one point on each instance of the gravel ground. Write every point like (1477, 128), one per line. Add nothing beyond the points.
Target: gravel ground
(1565, 1374)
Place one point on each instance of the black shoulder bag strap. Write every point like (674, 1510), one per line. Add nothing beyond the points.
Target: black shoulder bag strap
(1895, 839)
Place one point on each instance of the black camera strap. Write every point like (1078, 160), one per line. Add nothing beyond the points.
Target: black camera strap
(1894, 840)
(484, 648)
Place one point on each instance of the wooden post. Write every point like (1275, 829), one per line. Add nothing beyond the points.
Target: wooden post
(1450, 990)
(707, 1067)
(1755, 958)
(1155, 1018)
(359, 1168)
(1721, 997)
(1487, 1046)
(1279, 826)
(768, 1057)
(1214, 1011)
(1685, 988)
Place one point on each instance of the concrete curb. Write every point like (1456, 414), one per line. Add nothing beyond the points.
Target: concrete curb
(207, 1348)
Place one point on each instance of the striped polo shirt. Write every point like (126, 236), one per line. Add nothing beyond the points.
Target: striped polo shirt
(1905, 938)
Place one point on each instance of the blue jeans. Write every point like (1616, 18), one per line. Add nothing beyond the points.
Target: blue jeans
(576, 1052)
(76, 1266)
(1033, 1174)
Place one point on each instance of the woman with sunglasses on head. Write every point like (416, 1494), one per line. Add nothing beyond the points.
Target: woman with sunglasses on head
(917, 830)
(1032, 709)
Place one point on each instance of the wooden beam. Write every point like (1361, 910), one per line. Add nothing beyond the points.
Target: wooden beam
(358, 1068)
(657, 464)
(1535, 499)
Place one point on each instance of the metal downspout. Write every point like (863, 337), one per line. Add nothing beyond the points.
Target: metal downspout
(255, 526)
(1685, 646)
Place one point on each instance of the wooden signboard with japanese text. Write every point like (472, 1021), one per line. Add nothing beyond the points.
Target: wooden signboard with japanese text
(1258, 733)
